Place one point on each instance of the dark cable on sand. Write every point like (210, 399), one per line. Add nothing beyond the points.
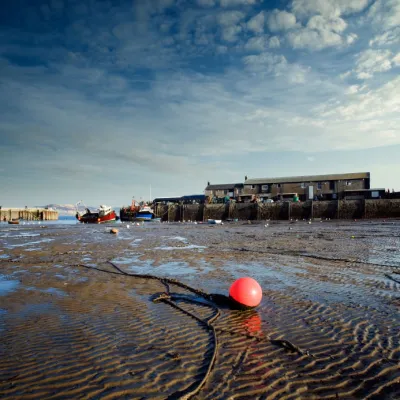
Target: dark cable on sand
(169, 298)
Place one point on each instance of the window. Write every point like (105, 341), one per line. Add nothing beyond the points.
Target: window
(265, 188)
(253, 186)
(319, 185)
(278, 185)
(302, 185)
(225, 192)
(348, 183)
(332, 185)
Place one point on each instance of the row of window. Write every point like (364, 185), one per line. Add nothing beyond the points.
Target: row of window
(303, 185)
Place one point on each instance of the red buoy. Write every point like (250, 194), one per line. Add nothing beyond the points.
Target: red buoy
(246, 291)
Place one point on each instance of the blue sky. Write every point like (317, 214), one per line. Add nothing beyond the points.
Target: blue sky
(100, 99)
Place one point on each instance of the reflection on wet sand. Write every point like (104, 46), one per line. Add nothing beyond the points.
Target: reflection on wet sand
(73, 332)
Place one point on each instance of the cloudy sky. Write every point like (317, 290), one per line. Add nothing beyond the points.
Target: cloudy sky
(101, 99)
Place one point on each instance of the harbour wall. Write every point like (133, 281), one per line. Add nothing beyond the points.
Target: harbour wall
(29, 214)
(338, 209)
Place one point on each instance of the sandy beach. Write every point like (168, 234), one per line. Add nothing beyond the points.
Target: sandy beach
(73, 327)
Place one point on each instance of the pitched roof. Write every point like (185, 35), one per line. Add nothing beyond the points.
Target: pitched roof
(224, 186)
(309, 178)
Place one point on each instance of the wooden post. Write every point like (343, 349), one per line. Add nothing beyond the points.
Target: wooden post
(338, 209)
(290, 203)
(365, 208)
(312, 209)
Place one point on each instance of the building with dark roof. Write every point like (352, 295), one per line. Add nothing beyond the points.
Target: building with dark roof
(225, 189)
(323, 186)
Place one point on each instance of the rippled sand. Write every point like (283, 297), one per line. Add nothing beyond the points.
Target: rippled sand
(69, 332)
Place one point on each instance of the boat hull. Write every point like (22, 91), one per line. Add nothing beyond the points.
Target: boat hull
(95, 218)
(214, 221)
(138, 216)
(146, 219)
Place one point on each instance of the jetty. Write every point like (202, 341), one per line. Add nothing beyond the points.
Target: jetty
(28, 214)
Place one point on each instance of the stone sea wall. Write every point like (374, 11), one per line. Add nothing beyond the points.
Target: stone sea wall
(30, 214)
(338, 209)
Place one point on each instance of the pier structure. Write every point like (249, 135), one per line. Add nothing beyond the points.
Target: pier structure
(28, 214)
(286, 210)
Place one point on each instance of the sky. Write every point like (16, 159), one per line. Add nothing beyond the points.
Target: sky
(101, 100)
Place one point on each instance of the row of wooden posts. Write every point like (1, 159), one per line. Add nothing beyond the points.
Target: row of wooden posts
(337, 209)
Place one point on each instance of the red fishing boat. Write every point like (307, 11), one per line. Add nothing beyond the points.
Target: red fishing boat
(103, 214)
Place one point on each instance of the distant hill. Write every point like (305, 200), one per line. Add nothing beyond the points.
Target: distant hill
(66, 209)
(69, 209)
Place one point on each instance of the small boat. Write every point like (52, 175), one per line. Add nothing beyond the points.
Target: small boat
(103, 214)
(214, 221)
(137, 212)
(145, 213)
(13, 221)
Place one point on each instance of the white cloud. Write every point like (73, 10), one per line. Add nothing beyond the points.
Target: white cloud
(385, 14)
(345, 75)
(383, 103)
(256, 24)
(396, 59)
(388, 38)
(228, 18)
(261, 43)
(230, 33)
(371, 61)
(351, 38)
(353, 89)
(316, 40)
(297, 74)
(266, 63)
(274, 42)
(257, 43)
(280, 21)
(327, 8)
(319, 23)
(221, 49)
(320, 33)
(229, 21)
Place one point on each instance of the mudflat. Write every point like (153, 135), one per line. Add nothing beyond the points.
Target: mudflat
(73, 326)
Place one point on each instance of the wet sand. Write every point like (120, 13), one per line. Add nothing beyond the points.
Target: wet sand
(330, 288)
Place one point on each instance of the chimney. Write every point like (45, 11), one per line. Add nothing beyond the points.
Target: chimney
(245, 178)
(208, 183)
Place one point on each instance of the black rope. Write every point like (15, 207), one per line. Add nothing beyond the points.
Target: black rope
(169, 298)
